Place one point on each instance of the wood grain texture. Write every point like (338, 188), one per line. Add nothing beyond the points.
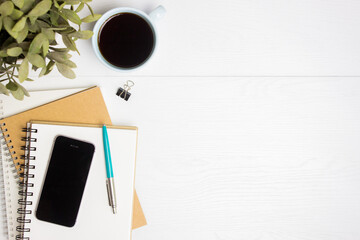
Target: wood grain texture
(243, 158)
(246, 38)
(224, 157)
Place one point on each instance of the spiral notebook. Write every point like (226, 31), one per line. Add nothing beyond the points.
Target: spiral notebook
(95, 219)
(9, 179)
(48, 106)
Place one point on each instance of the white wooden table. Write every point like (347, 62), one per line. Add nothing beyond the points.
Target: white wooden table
(248, 116)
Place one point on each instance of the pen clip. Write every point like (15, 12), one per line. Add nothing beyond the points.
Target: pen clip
(108, 191)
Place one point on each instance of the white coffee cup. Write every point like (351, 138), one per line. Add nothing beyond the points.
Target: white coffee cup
(150, 18)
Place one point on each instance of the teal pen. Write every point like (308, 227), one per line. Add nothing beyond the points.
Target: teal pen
(109, 171)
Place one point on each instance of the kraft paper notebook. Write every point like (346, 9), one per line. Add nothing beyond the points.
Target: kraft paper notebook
(95, 219)
(83, 107)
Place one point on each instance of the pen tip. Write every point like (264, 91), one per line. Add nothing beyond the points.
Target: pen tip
(114, 210)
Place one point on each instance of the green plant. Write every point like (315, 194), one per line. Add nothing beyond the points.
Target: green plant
(30, 31)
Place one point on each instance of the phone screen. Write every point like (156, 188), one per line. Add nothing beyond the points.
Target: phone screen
(65, 181)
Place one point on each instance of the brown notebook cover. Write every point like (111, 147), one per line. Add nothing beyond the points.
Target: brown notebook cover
(87, 106)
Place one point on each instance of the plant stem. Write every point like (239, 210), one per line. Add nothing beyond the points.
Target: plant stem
(12, 73)
(7, 73)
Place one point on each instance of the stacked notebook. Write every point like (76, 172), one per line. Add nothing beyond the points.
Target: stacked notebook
(86, 106)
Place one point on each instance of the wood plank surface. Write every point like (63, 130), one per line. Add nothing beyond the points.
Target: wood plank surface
(244, 38)
(243, 158)
(248, 116)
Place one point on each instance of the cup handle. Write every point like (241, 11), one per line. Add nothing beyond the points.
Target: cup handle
(158, 13)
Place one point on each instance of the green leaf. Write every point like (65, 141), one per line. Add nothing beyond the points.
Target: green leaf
(37, 43)
(67, 30)
(65, 71)
(16, 14)
(3, 53)
(12, 86)
(9, 24)
(91, 18)
(43, 24)
(54, 16)
(18, 3)
(28, 4)
(1, 22)
(34, 27)
(4, 90)
(56, 4)
(72, 16)
(50, 67)
(20, 25)
(72, 2)
(6, 8)
(33, 20)
(24, 70)
(22, 34)
(24, 90)
(90, 9)
(86, 34)
(69, 43)
(80, 7)
(11, 44)
(29, 79)
(25, 46)
(60, 49)
(14, 52)
(70, 64)
(40, 9)
(50, 34)
(58, 56)
(36, 60)
(18, 94)
(45, 47)
(42, 72)
(7, 42)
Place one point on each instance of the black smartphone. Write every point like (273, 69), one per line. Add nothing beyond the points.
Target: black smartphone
(65, 181)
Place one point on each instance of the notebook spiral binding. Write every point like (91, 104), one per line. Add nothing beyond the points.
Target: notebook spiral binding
(3, 199)
(26, 185)
(9, 172)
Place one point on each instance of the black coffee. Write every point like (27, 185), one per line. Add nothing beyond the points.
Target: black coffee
(126, 40)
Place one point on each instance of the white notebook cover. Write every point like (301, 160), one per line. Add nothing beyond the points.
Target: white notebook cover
(95, 219)
(11, 188)
(3, 215)
(9, 179)
(10, 106)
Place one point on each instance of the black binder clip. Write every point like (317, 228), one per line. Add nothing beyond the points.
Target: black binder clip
(124, 92)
